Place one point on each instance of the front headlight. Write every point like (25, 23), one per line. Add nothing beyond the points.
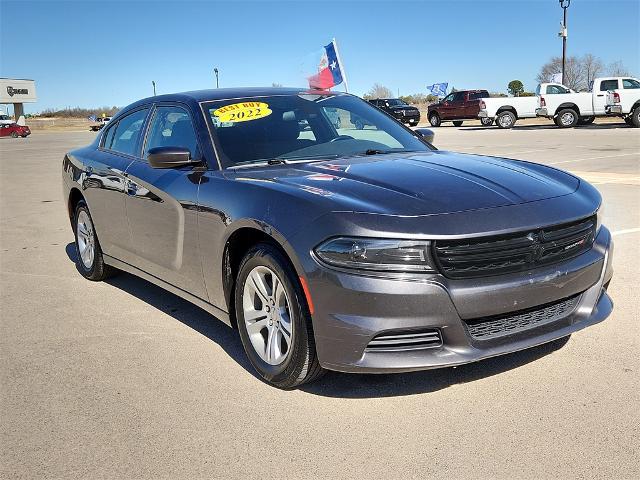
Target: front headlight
(376, 254)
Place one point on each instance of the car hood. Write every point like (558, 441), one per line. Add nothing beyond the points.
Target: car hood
(428, 183)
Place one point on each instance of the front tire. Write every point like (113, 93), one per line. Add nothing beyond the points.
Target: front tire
(635, 117)
(506, 119)
(273, 319)
(457, 123)
(89, 260)
(567, 118)
(434, 120)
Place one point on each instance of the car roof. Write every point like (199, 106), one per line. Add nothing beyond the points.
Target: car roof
(228, 93)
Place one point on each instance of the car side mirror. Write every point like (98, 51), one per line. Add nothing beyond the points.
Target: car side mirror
(169, 157)
(426, 134)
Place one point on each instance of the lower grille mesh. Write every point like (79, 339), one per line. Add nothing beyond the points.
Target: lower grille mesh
(492, 327)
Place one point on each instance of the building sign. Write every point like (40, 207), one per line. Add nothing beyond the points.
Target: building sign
(13, 90)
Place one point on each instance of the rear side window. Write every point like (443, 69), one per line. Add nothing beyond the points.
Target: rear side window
(172, 127)
(608, 85)
(478, 95)
(556, 89)
(126, 133)
(630, 83)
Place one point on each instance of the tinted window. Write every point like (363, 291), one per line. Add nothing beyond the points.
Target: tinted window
(478, 95)
(108, 138)
(127, 132)
(172, 127)
(608, 85)
(458, 97)
(630, 83)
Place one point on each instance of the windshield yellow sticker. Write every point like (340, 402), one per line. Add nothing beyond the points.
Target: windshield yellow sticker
(242, 112)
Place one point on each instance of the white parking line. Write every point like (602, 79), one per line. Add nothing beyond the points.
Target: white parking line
(623, 232)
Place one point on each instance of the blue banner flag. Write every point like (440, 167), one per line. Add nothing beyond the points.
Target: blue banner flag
(438, 89)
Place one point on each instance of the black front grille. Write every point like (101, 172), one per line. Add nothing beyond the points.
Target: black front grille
(492, 327)
(484, 256)
(406, 340)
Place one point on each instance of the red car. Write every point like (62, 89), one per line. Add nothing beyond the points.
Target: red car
(14, 130)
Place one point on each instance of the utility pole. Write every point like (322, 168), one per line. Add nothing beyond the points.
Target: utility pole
(215, 70)
(154, 87)
(564, 4)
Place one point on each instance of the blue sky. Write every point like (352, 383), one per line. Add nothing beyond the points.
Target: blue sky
(93, 53)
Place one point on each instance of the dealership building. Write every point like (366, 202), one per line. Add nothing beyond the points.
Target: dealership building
(17, 92)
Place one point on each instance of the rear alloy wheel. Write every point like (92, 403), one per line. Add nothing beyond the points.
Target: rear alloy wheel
(635, 117)
(486, 121)
(506, 119)
(434, 120)
(566, 118)
(273, 319)
(89, 259)
(457, 123)
(586, 120)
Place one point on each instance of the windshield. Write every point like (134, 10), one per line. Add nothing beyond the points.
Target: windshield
(303, 127)
(395, 102)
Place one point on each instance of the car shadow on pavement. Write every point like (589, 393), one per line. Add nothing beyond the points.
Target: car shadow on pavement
(550, 126)
(343, 385)
(182, 310)
(333, 384)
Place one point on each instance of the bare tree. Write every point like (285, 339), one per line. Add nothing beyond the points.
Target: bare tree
(574, 76)
(617, 69)
(592, 67)
(378, 91)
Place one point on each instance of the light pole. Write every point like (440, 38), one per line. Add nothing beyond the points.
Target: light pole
(564, 4)
(215, 70)
(154, 87)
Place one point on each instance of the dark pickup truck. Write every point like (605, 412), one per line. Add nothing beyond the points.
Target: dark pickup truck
(457, 106)
(398, 109)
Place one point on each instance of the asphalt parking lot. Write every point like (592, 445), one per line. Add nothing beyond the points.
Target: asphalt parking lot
(124, 380)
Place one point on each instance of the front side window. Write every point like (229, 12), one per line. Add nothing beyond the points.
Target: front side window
(126, 133)
(171, 126)
(630, 83)
(303, 127)
(608, 85)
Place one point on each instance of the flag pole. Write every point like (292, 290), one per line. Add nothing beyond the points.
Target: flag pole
(344, 74)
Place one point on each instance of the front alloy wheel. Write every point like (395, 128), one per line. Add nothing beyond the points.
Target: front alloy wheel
(267, 315)
(274, 320)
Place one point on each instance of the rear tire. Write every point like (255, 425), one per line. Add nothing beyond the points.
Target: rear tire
(457, 123)
(567, 118)
(486, 121)
(89, 260)
(273, 319)
(506, 119)
(635, 117)
(434, 120)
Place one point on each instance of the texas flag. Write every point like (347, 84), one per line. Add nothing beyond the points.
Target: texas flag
(329, 70)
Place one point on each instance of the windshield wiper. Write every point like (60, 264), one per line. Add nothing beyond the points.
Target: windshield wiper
(283, 159)
(276, 161)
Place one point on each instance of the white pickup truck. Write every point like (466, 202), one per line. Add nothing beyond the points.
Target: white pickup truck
(568, 108)
(507, 110)
(625, 102)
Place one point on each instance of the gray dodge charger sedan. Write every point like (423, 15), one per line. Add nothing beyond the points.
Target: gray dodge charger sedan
(357, 250)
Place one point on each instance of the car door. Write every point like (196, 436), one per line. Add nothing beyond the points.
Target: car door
(104, 182)
(447, 106)
(600, 95)
(161, 204)
(457, 105)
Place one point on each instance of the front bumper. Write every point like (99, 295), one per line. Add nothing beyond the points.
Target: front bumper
(542, 112)
(613, 109)
(351, 310)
